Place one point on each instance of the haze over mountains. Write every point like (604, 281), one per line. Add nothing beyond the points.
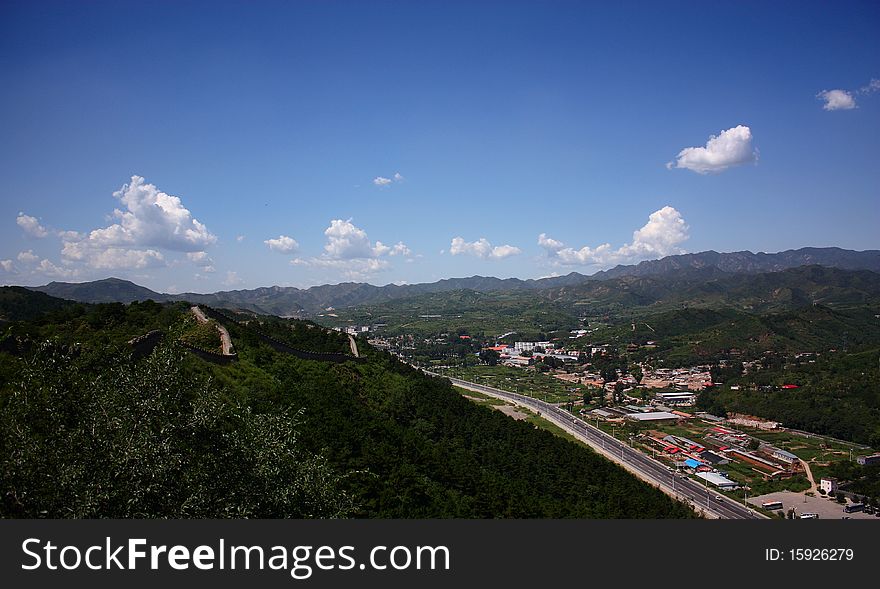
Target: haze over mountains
(288, 301)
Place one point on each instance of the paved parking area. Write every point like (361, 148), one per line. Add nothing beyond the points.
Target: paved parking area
(826, 508)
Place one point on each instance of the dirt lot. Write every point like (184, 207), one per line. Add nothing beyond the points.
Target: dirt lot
(826, 508)
(511, 411)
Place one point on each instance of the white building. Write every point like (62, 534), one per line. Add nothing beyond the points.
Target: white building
(829, 485)
(718, 480)
(530, 346)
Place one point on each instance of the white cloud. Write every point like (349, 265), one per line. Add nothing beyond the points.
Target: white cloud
(113, 258)
(232, 279)
(239, 238)
(345, 241)
(837, 99)
(549, 244)
(199, 258)
(481, 249)
(732, 147)
(354, 269)
(398, 249)
(871, 87)
(152, 220)
(350, 251)
(7, 265)
(659, 237)
(49, 269)
(202, 260)
(28, 257)
(282, 244)
(383, 181)
(31, 225)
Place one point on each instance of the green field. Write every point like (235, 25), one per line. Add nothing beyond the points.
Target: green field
(519, 380)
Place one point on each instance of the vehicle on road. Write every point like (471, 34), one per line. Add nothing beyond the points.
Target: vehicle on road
(853, 507)
(772, 505)
(809, 516)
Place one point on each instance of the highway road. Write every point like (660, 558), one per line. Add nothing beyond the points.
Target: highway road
(701, 497)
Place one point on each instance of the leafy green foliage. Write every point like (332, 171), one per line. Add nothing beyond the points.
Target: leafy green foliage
(102, 437)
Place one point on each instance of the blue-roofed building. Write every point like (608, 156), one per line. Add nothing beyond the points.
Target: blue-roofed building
(691, 463)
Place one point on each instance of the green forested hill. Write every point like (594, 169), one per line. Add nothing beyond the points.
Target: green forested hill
(86, 431)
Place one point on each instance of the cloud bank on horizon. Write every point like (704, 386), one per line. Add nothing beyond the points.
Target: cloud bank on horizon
(661, 236)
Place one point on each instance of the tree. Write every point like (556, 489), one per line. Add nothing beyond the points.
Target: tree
(490, 357)
(609, 374)
(636, 373)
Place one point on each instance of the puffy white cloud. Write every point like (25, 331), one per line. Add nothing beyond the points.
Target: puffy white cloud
(31, 225)
(28, 257)
(110, 257)
(118, 258)
(282, 244)
(151, 220)
(660, 236)
(732, 147)
(481, 249)
(398, 177)
(837, 99)
(49, 269)
(350, 251)
(345, 241)
(239, 238)
(549, 244)
(7, 265)
(398, 249)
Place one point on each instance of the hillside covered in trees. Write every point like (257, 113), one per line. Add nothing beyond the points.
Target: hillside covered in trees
(87, 429)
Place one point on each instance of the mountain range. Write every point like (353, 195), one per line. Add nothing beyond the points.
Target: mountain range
(291, 301)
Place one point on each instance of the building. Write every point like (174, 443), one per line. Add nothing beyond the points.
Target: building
(653, 416)
(869, 460)
(829, 485)
(677, 398)
(751, 421)
(713, 458)
(783, 456)
(530, 346)
(722, 482)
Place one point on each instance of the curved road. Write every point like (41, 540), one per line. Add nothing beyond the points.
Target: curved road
(702, 498)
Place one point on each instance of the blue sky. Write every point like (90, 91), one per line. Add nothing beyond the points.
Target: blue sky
(547, 137)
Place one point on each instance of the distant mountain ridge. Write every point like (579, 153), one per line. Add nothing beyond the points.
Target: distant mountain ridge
(288, 301)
